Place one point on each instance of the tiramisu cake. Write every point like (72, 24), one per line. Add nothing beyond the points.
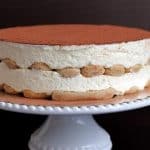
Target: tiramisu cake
(74, 62)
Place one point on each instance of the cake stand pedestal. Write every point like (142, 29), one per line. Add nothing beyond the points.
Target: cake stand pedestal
(75, 132)
(72, 128)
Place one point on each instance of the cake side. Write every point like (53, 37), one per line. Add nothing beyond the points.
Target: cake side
(74, 72)
(86, 71)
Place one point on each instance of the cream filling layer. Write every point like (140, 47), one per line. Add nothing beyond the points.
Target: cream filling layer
(47, 81)
(127, 54)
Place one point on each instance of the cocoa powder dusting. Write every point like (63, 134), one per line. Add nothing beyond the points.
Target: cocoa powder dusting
(72, 34)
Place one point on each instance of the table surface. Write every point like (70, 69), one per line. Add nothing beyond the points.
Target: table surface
(129, 130)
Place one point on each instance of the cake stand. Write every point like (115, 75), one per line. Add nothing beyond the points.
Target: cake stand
(71, 127)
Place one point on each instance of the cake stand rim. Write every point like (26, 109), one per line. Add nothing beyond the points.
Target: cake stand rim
(64, 110)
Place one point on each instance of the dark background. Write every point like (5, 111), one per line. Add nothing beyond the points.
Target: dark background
(129, 130)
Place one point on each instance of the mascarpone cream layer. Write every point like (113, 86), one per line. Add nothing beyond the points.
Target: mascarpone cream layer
(47, 81)
(127, 54)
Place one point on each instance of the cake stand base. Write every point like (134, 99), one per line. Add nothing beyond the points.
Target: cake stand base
(70, 132)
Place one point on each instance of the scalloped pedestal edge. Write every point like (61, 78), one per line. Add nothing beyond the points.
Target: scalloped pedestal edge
(72, 132)
(61, 110)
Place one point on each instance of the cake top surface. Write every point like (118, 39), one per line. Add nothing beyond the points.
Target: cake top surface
(72, 34)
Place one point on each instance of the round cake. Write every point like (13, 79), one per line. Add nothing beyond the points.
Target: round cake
(74, 62)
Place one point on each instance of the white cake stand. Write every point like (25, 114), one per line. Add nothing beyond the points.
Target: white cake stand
(72, 128)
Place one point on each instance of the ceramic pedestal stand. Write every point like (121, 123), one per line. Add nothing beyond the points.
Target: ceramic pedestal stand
(72, 128)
